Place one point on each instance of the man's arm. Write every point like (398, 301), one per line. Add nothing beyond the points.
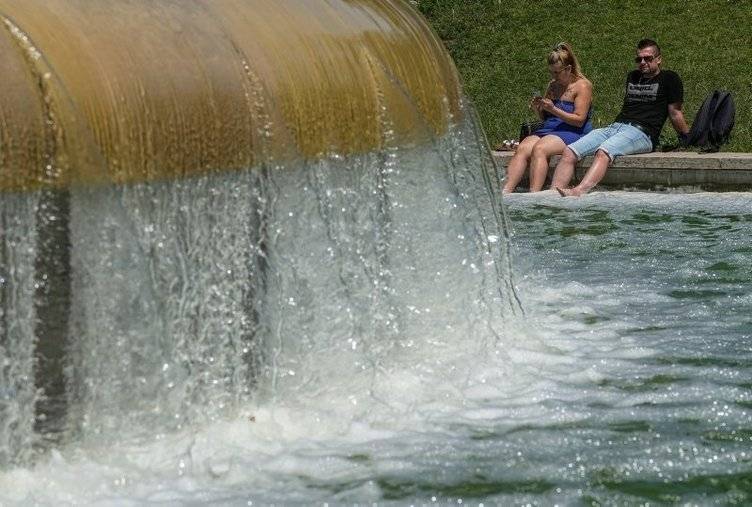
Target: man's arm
(676, 116)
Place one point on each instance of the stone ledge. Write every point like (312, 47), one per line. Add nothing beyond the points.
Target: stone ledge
(729, 171)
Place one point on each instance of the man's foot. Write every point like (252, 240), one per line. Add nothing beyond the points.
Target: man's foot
(568, 192)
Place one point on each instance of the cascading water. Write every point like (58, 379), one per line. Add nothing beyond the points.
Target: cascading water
(160, 274)
(192, 295)
(17, 318)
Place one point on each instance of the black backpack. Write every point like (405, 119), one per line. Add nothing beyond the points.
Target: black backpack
(713, 123)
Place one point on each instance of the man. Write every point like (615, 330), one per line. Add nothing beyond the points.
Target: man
(651, 95)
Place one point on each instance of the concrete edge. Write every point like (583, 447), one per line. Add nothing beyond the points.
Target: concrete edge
(711, 171)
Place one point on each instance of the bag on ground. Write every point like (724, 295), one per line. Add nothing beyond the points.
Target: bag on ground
(529, 127)
(712, 125)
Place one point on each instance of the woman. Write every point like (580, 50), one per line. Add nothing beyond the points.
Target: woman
(565, 110)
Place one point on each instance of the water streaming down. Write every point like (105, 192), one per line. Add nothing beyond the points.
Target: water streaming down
(17, 317)
(246, 213)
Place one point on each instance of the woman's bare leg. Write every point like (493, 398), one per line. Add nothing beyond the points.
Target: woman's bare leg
(518, 164)
(547, 147)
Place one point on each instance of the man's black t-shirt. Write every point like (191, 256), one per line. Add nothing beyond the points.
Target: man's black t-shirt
(646, 100)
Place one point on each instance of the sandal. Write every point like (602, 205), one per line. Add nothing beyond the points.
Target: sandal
(507, 145)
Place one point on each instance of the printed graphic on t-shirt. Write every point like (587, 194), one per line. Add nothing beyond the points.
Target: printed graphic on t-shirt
(642, 92)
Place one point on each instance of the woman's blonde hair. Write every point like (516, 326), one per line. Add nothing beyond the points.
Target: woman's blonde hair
(563, 54)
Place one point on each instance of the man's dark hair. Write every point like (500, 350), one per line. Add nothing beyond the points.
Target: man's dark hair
(646, 43)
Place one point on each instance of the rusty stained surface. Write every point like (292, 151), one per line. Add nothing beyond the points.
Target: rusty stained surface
(119, 91)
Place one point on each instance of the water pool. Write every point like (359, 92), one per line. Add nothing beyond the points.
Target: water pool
(628, 380)
(652, 295)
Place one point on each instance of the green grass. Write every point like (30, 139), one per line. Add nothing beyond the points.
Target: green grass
(500, 46)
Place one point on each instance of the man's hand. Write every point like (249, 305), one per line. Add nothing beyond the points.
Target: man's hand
(683, 138)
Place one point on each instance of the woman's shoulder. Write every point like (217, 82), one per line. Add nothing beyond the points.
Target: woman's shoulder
(582, 84)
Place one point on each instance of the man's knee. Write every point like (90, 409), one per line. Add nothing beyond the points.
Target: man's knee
(569, 156)
(602, 155)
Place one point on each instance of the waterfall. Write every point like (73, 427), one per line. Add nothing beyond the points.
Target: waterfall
(190, 297)
(17, 321)
(191, 237)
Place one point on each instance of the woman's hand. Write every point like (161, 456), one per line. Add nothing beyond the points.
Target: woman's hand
(547, 105)
(536, 104)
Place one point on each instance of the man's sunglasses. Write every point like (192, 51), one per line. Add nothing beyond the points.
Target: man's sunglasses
(648, 59)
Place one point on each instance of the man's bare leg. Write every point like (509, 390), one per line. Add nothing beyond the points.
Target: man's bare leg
(564, 171)
(594, 174)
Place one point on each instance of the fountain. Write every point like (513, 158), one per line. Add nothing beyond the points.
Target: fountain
(252, 252)
(213, 202)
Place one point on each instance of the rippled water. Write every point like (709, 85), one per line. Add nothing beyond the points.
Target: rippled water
(628, 380)
(652, 295)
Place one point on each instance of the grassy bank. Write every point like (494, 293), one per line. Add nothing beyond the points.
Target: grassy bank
(500, 46)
